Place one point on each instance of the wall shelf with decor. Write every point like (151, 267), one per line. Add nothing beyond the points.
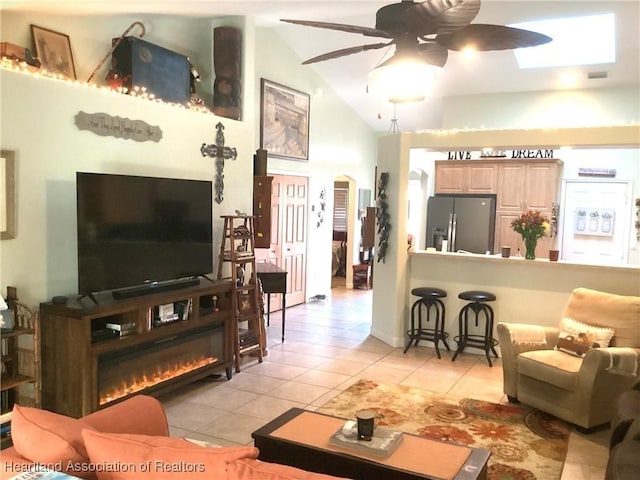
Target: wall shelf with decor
(137, 93)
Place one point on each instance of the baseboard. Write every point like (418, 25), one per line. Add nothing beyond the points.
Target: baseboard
(393, 341)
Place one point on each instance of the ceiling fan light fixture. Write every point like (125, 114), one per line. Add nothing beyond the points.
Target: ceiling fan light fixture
(403, 81)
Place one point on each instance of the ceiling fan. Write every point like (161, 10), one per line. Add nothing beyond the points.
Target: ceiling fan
(426, 31)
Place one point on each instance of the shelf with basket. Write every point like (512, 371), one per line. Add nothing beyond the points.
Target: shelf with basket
(20, 361)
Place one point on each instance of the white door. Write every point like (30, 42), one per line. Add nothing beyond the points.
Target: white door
(596, 221)
(288, 236)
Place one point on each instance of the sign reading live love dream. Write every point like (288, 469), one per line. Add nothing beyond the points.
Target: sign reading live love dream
(104, 125)
(489, 153)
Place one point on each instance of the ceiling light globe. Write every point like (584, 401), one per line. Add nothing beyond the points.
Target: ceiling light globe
(402, 81)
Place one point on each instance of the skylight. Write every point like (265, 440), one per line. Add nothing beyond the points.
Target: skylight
(586, 40)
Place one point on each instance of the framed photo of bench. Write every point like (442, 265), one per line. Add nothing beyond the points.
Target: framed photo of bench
(284, 121)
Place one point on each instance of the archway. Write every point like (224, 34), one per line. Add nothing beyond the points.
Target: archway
(345, 235)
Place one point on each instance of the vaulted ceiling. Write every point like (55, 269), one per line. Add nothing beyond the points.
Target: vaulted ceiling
(484, 73)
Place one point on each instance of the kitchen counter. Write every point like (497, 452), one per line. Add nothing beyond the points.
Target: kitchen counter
(529, 291)
(537, 263)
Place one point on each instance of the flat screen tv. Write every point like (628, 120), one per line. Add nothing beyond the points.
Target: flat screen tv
(135, 231)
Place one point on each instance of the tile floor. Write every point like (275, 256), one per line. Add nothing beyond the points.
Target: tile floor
(327, 348)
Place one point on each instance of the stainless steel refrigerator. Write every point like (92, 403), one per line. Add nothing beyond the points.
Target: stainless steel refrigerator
(466, 222)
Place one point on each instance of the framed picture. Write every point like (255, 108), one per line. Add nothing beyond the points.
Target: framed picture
(284, 121)
(7, 195)
(53, 49)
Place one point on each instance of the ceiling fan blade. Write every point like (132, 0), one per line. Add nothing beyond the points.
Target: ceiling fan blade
(367, 31)
(429, 53)
(484, 37)
(345, 51)
(433, 54)
(435, 16)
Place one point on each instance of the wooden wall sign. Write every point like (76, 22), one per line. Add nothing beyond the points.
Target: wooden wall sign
(459, 155)
(227, 61)
(596, 172)
(106, 125)
(494, 153)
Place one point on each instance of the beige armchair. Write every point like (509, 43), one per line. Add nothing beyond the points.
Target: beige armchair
(580, 389)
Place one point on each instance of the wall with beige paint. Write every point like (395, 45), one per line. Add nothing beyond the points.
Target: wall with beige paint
(37, 118)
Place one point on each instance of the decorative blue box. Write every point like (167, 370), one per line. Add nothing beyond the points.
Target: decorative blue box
(164, 73)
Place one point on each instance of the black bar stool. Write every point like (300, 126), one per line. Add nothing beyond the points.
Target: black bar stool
(429, 298)
(477, 303)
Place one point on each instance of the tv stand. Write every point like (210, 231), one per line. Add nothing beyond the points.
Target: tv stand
(154, 287)
(91, 296)
(81, 366)
(207, 278)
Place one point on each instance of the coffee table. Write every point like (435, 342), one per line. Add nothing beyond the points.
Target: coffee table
(300, 438)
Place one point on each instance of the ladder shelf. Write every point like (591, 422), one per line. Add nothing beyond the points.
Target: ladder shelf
(238, 251)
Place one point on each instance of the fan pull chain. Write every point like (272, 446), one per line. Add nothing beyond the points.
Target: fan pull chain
(394, 121)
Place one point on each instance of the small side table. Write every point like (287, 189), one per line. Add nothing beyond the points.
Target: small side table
(274, 280)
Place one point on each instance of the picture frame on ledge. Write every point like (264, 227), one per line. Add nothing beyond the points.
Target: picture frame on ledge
(53, 49)
(7, 195)
(284, 121)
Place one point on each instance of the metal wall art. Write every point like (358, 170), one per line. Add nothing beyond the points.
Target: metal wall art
(594, 221)
(105, 125)
(322, 205)
(383, 217)
(638, 219)
(220, 153)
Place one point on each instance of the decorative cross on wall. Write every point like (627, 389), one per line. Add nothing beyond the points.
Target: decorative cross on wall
(220, 153)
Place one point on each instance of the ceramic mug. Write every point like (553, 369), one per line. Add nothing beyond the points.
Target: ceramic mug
(365, 420)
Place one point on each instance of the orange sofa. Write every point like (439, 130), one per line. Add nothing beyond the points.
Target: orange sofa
(128, 440)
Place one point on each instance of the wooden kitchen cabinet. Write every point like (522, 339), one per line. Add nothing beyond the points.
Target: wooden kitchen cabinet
(525, 185)
(511, 179)
(542, 185)
(475, 176)
(482, 177)
(505, 236)
(519, 185)
(531, 185)
(450, 177)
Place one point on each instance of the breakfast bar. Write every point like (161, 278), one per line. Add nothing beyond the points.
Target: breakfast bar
(527, 291)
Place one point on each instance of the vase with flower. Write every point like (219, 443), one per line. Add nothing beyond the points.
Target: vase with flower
(532, 225)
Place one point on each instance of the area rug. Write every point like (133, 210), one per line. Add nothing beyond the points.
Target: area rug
(525, 443)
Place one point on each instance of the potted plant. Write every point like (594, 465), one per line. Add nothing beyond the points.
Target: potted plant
(532, 226)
